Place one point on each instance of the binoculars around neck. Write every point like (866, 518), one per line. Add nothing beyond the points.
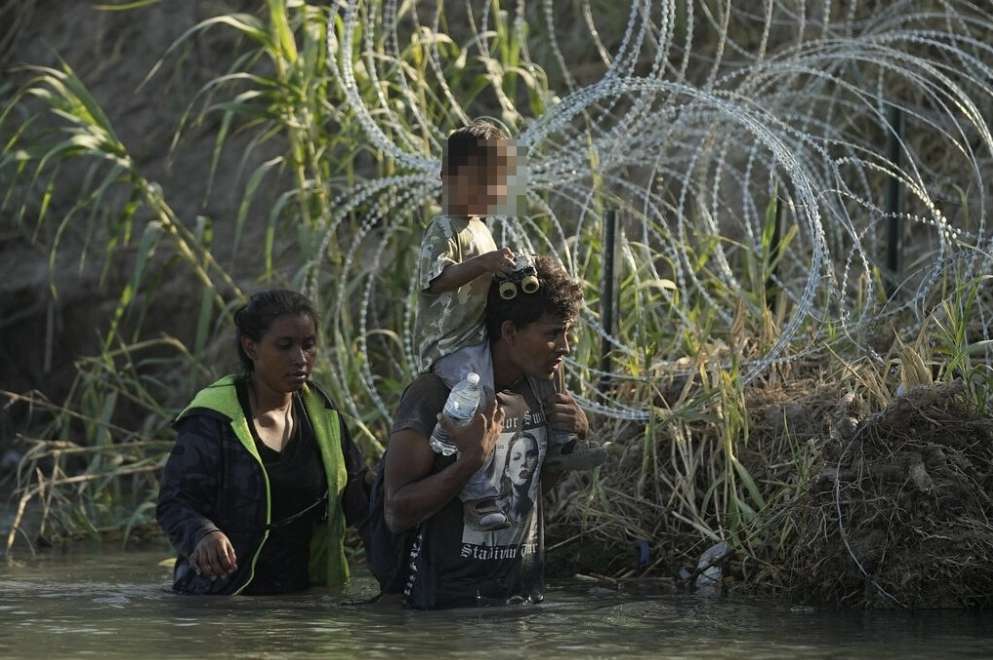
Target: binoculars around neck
(523, 279)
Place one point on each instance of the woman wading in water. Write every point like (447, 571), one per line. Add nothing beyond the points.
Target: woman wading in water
(263, 477)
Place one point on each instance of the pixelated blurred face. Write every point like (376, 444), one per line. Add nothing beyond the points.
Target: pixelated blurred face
(479, 187)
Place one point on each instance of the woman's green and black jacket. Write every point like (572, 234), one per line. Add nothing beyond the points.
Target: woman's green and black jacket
(214, 479)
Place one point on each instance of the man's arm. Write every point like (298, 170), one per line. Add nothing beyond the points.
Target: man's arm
(566, 415)
(413, 494)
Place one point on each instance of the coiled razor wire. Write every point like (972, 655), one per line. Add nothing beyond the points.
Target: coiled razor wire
(693, 136)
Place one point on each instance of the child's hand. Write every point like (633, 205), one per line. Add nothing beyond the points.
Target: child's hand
(498, 261)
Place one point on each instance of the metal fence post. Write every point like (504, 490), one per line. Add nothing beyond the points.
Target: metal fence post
(771, 290)
(893, 201)
(607, 300)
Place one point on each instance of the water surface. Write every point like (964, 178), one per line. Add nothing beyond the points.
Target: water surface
(114, 604)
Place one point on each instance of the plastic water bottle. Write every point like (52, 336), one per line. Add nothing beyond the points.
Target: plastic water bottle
(460, 407)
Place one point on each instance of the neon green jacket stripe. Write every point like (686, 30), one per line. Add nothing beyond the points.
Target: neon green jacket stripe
(328, 565)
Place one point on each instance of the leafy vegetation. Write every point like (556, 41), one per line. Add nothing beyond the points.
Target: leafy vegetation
(742, 160)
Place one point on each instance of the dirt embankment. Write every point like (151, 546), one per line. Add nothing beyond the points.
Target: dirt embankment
(895, 510)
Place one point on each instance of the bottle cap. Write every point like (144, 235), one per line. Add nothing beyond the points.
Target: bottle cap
(472, 378)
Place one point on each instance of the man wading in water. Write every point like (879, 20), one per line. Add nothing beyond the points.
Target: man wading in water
(452, 562)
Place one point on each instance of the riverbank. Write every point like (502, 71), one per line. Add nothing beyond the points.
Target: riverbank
(853, 508)
(846, 500)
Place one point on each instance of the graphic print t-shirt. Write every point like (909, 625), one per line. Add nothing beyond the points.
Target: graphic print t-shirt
(453, 563)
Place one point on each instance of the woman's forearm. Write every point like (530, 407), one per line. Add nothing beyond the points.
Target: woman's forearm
(189, 485)
(183, 525)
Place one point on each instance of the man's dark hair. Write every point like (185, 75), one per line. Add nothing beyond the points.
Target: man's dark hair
(557, 294)
(469, 144)
(254, 319)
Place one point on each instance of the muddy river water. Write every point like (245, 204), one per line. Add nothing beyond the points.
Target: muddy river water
(88, 603)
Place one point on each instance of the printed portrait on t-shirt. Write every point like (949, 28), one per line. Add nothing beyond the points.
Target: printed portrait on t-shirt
(515, 476)
(518, 475)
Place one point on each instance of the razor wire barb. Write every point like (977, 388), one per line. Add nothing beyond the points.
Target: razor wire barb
(693, 143)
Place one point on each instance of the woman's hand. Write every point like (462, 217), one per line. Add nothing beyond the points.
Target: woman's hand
(477, 439)
(565, 414)
(214, 556)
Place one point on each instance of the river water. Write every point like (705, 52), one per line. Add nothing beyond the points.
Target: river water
(115, 604)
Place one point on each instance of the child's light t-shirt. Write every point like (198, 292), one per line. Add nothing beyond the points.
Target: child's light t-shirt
(449, 321)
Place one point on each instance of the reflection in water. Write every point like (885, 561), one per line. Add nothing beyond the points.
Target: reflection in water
(118, 605)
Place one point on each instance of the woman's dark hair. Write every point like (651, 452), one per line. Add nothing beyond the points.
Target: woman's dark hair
(254, 319)
(558, 294)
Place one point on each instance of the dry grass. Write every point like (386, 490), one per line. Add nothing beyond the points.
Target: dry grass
(836, 491)
(899, 513)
